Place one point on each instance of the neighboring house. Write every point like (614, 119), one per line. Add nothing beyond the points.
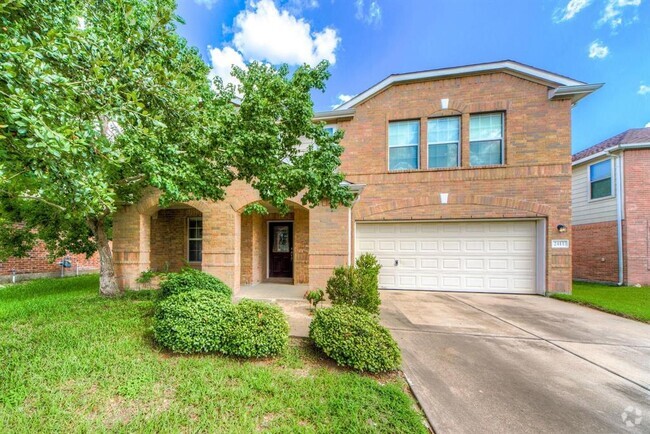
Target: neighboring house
(611, 185)
(463, 178)
(37, 264)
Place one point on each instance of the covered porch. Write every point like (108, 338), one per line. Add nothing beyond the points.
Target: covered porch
(268, 256)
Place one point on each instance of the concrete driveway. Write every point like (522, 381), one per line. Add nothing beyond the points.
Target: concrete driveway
(483, 363)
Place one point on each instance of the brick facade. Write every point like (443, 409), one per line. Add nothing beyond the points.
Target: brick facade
(595, 252)
(534, 182)
(37, 264)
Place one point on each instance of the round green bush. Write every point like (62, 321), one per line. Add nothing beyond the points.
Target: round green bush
(257, 329)
(353, 337)
(190, 280)
(192, 322)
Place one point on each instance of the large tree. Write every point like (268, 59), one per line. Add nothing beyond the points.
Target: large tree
(101, 99)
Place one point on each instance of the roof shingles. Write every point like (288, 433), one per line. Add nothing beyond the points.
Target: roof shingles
(629, 137)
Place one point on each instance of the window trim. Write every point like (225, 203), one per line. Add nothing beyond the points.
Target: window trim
(458, 143)
(417, 145)
(503, 139)
(612, 193)
(189, 239)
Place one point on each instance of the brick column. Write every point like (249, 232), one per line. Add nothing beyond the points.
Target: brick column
(131, 245)
(464, 140)
(221, 244)
(328, 243)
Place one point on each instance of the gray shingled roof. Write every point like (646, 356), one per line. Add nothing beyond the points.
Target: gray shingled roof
(629, 137)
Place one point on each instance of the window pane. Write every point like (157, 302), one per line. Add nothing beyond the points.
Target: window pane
(485, 153)
(443, 130)
(403, 158)
(485, 127)
(600, 171)
(445, 155)
(330, 130)
(281, 239)
(403, 133)
(602, 188)
(195, 253)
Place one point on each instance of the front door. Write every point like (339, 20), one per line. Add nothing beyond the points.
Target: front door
(281, 249)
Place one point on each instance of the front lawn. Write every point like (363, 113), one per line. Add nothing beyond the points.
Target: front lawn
(72, 361)
(627, 301)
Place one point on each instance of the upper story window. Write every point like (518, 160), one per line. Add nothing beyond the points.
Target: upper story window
(486, 139)
(330, 129)
(600, 179)
(195, 239)
(403, 145)
(443, 138)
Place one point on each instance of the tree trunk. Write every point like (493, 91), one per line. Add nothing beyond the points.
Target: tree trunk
(107, 281)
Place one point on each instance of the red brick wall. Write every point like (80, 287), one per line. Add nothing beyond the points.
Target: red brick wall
(38, 263)
(637, 216)
(595, 252)
(535, 180)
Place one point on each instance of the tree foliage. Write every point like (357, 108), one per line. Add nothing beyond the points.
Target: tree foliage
(101, 99)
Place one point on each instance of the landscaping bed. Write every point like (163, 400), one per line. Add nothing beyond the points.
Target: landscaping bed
(627, 301)
(74, 361)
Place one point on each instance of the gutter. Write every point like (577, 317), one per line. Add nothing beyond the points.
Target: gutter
(574, 93)
(334, 115)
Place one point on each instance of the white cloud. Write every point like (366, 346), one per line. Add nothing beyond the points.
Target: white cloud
(343, 98)
(297, 6)
(614, 10)
(265, 33)
(222, 61)
(571, 10)
(597, 50)
(644, 89)
(647, 125)
(207, 3)
(369, 15)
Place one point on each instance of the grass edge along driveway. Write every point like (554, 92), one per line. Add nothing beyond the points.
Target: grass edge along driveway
(626, 301)
(74, 361)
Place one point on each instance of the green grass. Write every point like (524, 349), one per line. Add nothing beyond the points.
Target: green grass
(72, 361)
(626, 301)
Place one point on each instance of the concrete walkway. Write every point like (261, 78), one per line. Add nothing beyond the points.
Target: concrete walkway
(482, 363)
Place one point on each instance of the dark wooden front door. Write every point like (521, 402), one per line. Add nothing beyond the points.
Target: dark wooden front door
(281, 249)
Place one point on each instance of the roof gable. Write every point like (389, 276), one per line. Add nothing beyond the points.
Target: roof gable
(563, 87)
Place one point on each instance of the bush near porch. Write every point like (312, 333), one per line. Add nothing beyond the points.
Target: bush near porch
(77, 362)
(356, 285)
(190, 279)
(353, 337)
(196, 315)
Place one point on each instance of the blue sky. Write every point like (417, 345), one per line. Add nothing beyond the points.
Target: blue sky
(597, 41)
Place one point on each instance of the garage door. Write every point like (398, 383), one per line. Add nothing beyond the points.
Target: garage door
(456, 256)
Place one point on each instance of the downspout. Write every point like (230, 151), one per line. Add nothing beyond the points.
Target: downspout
(619, 213)
(354, 201)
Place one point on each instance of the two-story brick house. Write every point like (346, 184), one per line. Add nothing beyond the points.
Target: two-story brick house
(463, 181)
(611, 210)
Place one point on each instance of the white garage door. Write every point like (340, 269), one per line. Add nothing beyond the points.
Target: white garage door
(457, 256)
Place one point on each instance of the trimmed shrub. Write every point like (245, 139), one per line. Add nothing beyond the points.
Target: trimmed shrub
(256, 329)
(353, 337)
(190, 279)
(356, 285)
(193, 321)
